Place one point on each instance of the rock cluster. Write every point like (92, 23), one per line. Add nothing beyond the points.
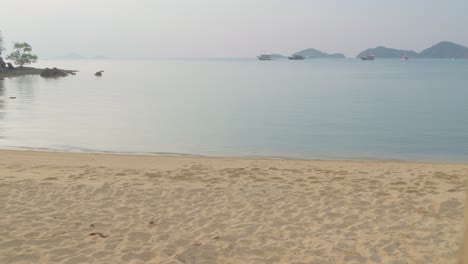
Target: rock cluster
(54, 72)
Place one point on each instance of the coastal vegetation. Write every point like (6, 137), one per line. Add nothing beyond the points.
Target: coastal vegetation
(1, 43)
(22, 54)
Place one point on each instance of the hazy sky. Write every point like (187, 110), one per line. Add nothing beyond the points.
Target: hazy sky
(229, 28)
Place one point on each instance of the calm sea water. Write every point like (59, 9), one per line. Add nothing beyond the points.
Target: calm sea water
(382, 109)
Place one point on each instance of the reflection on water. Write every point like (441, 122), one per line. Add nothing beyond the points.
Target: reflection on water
(385, 109)
(16, 106)
(24, 88)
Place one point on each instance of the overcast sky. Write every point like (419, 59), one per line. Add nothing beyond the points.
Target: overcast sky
(228, 28)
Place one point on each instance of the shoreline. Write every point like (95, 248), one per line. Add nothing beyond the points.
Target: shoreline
(224, 210)
(177, 156)
(17, 72)
(25, 71)
(240, 157)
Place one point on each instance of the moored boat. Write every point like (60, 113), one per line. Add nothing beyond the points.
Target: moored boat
(368, 57)
(296, 57)
(264, 57)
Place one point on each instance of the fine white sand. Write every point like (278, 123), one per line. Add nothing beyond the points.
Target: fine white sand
(220, 210)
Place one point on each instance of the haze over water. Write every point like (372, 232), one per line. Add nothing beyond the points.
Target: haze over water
(384, 109)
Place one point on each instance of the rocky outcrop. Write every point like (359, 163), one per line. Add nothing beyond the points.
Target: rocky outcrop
(23, 71)
(52, 73)
(20, 71)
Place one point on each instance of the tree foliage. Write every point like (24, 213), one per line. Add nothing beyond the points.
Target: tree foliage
(22, 54)
(1, 43)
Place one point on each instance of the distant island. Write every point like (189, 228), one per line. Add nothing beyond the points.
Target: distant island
(277, 56)
(441, 50)
(76, 56)
(383, 52)
(309, 54)
(100, 57)
(317, 54)
(445, 50)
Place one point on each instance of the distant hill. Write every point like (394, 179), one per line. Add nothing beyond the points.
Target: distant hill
(317, 54)
(383, 52)
(69, 56)
(277, 56)
(100, 57)
(76, 56)
(445, 50)
(441, 50)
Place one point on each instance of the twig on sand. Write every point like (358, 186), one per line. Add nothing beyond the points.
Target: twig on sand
(98, 234)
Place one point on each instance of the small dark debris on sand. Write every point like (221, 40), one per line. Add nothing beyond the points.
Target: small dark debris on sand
(98, 234)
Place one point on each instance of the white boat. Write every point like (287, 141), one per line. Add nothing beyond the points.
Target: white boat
(264, 57)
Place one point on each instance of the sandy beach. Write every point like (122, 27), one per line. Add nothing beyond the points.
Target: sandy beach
(100, 208)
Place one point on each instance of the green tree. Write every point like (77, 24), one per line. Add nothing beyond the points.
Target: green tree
(22, 54)
(1, 43)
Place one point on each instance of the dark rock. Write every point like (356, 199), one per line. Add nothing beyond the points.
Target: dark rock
(2, 63)
(99, 73)
(10, 66)
(50, 73)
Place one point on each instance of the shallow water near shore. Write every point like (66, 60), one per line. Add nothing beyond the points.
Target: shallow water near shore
(331, 109)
